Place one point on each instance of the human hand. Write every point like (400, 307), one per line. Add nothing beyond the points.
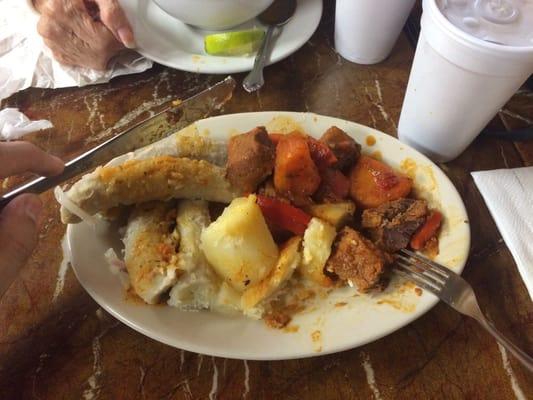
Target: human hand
(19, 219)
(86, 33)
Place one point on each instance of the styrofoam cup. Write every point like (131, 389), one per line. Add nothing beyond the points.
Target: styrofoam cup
(457, 84)
(366, 30)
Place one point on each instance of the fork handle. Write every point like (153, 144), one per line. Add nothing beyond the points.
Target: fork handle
(520, 355)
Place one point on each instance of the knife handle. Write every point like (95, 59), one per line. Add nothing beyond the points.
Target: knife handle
(42, 184)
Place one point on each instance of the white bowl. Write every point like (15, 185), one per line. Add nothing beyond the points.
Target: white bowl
(214, 14)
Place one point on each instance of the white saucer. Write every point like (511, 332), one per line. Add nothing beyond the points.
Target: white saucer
(170, 42)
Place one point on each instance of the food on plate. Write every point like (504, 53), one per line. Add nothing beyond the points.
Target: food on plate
(288, 260)
(197, 282)
(250, 159)
(392, 225)
(426, 235)
(337, 214)
(295, 174)
(374, 183)
(150, 252)
(282, 216)
(158, 178)
(258, 225)
(318, 238)
(357, 260)
(238, 245)
(346, 150)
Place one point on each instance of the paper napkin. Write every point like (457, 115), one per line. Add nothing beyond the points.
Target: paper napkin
(508, 194)
(26, 61)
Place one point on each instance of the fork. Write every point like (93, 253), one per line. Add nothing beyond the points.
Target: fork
(454, 291)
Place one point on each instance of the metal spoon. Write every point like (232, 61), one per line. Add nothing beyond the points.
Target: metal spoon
(278, 14)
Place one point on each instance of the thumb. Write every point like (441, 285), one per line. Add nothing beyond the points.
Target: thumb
(18, 236)
(113, 17)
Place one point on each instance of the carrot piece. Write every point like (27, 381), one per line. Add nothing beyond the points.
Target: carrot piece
(374, 183)
(321, 154)
(426, 231)
(295, 173)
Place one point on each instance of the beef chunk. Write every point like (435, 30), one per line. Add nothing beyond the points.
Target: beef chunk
(250, 159)
(357, 260)
(392, 224)
(343, 146)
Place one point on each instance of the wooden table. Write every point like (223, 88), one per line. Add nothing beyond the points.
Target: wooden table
(56, 343)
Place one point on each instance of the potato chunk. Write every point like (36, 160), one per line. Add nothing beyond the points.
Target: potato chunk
(239, 246)
(289, 259)
(337, 214)
(318, 238)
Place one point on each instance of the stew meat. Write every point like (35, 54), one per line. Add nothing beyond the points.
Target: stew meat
(356, 260)
(343, 146)
(392, 224)
(250, 159)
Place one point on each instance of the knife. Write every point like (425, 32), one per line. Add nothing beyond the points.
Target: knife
(173, 117)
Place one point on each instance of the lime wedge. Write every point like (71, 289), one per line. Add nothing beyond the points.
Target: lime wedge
(236, 43)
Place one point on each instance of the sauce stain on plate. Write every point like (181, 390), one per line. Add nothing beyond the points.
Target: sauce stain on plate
(398, 305)
(377, 155)
(198, 59)
(423, 174)
(400, 295)
(370, 140)
(425, 182)
(291, 329)
(316, 338)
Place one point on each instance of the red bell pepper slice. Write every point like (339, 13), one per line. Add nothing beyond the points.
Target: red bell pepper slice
(282, 215)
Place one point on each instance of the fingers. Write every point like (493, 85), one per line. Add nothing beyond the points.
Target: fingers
(19, 157)
(115, 20)
(75, 38)
(18, 236)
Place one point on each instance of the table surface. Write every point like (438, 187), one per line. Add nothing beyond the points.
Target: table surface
(56, 343)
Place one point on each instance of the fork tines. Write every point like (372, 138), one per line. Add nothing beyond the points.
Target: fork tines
(426, 273)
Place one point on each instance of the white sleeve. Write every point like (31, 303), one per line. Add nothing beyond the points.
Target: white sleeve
(31, 7)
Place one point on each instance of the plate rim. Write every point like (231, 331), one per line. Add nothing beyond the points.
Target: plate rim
(202, 349)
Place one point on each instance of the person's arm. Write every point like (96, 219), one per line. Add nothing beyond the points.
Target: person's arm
(19, 219)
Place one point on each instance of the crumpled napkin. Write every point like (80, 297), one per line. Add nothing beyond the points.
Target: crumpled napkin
(508, 194)
(14, 124)
(26, 61)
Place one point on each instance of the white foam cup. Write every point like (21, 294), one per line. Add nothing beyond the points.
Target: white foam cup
(366, 30)
(457, 84)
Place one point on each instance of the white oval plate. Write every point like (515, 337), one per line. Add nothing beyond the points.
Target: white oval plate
(326, 327)
(168, 41)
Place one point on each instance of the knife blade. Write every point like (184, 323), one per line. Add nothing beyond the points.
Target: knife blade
(174, 116)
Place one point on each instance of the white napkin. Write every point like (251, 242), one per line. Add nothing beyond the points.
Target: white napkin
(25, 60)
(508, 194)
(14, 124)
